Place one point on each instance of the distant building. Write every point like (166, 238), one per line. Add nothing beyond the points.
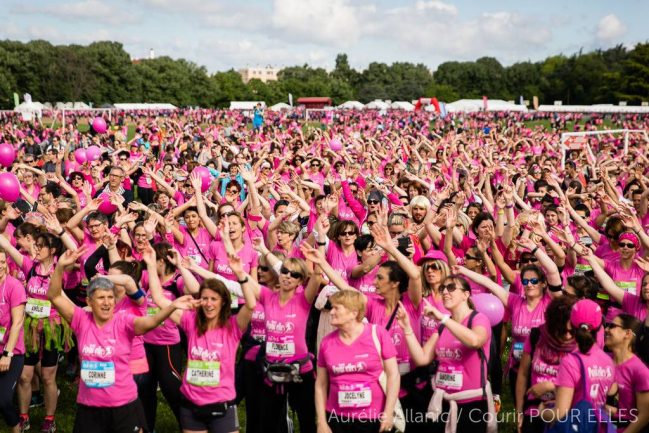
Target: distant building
(263, 74)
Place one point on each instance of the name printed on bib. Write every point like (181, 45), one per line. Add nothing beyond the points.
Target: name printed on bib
(282, 349)
(450, 378)
(355, 395)
(38, 308)
(98, 374)
(517, 350)
(203, 373)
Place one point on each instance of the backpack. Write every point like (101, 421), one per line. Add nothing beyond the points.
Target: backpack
(579, 418)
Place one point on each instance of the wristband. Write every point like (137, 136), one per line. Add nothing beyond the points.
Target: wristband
(509, 206)
(534, 250)
(7, 354)
(137, 295)
(444, 319)
(62, 233)
(555, 289)
(244, 281)
(115, 229)
(322, 244)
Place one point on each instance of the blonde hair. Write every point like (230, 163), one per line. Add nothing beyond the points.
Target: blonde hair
(420, 201)
(352, 300)
(288, 227)
(443, 267)
(463, 219)
(292, 263)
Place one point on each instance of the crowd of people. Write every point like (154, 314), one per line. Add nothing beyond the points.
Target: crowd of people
(325, 273)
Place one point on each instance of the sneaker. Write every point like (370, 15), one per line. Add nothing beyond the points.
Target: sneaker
(24, 425)
(497, 403)
(37, 400)
(48, 426)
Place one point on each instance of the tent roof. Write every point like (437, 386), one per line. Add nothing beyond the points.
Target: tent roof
(402, 105)
(352, 105)
(245, 105)
(472, 105)
(152, 106)
(314, 99)
(29, 107)
(599, 108)
(378, 105)
(280, 106)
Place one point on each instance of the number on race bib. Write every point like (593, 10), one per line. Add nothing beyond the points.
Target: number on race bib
(97, 374)
(204, 373)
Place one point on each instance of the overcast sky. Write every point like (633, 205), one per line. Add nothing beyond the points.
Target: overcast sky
(222, 34)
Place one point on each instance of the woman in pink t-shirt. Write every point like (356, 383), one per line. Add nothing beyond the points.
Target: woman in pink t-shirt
(107, 398)
(348, 395)
(588, 370)
(544, 349)
(213, 335)
(462, 362)
(12, 359)
(631, 374)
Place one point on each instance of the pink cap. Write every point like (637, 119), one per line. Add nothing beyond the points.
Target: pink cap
(586, 314)
(433, 255)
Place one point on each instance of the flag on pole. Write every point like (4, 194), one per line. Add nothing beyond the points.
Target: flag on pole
(16, 100)
(442, 110)
(290, 99)
(520, 100)
(485, 103)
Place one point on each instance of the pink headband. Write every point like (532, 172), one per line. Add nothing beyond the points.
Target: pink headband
(632, 237)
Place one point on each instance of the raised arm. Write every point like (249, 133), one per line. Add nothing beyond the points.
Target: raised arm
(55, 294)
(486, 282)
(317, 257)
(202, 211)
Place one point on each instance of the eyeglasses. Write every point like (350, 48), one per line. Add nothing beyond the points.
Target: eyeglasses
(293, 274)
(348, 233)
(94, 226)
(528, 260)
(527, 282)
(227, 214)
(611, 325)
(372, 202)
(315, 165)
(262, 268)
(233, 191)
(626, 245)
(450, 288)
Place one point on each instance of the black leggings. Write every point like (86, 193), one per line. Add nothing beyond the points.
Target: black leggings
(164, 369)
(495, 366)
(253, 381)
(300, 397)
(8, 381)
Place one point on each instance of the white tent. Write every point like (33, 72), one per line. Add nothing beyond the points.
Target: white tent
(351, 105)
(152, 106)
(402, 105)
(598, 108)
(377, 104)
(280, 106)
(29, 110)
(473, 105)
(245, 105)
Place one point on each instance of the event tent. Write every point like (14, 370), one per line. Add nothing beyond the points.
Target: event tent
(280, 106)
(598, 108)
(377, 104)
(28, 109)
(402, 105)
(245, 105)
(473, 105)
(152, 106)
(351, 105)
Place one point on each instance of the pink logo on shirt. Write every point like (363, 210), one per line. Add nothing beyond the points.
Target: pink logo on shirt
(198, 352)
(450, 354)
(280, 327)
(359, 367)
(95, 350)
(597, 372)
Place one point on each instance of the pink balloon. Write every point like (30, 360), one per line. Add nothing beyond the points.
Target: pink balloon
(93, 153)
(99, 124)
(7, 154)
(204, 174)
(80, 155)
(335, 145)
(9, 187)
(490, 306)
(106, 207)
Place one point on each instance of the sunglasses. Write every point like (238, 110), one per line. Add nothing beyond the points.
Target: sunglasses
(527, 282)
(434, 265)
(315, 165)
(611, 325)
(627, 245)
(262, 268)
(123, 159)
(353, 191)
(348, 233)
(293, 274)
(470, 257)
(528, 260)
(77, 178)
(227, 214)
(450, 288)
(233, 191)
(372, 202)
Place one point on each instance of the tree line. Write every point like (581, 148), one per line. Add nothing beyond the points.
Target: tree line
(103, 72)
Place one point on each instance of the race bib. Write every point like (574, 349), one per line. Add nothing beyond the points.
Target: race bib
(196, 258)
(97, 374)
(152, 311)
(404, 368)
(450, 379)
(3, 331)
(354, 395)
(148, 180)
(517, 350)
(627, 286)
(282, 350)
(581, 269)
(204, 373)
(38, 308)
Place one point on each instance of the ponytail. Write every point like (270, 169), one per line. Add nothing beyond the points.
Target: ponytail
(585, 339)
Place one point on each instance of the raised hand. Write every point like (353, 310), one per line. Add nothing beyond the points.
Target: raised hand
(186, 302)
(149, 256)
(69, 257)
(313, 255)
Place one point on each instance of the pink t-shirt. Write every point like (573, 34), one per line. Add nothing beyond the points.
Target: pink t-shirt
(137, 359)
(459, 365)
(522, 321)
(600, 370)
(12, 294)
(209, 377)
(377, 314)
(199, 251)
(257, 331)
(342, 264)
(354, 370)
(634, 305)
(249, 258)
(365, 284)
(631, 376)
(286, 327)
(429, 324)
(106, 378)
(167, 332)
(542, 370)
(37, 287)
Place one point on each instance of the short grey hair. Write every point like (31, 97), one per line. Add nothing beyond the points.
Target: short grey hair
(99, 283)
